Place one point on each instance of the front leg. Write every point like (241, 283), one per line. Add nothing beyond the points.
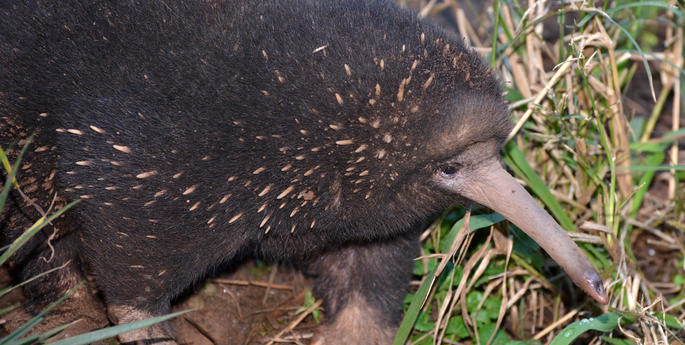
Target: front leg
(363, 286)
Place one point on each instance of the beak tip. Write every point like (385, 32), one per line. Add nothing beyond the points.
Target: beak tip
(601, 297)
(595, 287)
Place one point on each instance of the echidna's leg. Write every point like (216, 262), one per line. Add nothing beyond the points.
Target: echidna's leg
(140, 274)
(126, 304)
(363, 287)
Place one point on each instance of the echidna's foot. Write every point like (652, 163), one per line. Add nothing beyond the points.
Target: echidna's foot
(157, 334)
(356, 323)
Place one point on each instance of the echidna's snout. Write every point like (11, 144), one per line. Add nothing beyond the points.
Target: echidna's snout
(490, 185)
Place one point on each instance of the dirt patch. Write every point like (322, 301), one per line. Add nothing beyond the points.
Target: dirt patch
(250, 306)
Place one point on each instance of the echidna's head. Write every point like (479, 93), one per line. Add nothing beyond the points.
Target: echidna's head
(434, 140)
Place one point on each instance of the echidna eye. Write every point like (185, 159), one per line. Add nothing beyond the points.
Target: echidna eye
(448, 170)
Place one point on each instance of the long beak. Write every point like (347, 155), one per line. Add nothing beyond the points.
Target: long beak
(493, 187)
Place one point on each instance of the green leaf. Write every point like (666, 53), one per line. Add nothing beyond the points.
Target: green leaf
(670, 320)
(481, 317)
(486, 331)
(477, 222)
(636, 126)
(492, 305)
(309, 301)
(512, 95)
(527, 249)
(457, 328)
(492, 270)
(473, 299)
(521, 342)
(424, 324)
(604, 323)
(423, 340)
(654, 147)
(413, 312)
(645, 181)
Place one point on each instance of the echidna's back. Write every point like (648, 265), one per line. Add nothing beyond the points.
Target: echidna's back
(147, 101)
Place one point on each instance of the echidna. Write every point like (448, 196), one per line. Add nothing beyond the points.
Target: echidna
(199, 132)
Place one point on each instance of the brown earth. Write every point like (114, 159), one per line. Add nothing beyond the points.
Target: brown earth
(252, 305)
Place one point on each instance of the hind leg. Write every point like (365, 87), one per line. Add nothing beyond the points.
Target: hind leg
(126, 304)
(363, 287)
(135, 292)
(141, 268)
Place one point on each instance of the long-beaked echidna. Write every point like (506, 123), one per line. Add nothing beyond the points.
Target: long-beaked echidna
(199, 132)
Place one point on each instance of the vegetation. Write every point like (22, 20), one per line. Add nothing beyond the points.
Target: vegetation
(596, 94)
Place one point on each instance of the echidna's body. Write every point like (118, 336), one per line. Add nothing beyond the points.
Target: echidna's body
(197, 133)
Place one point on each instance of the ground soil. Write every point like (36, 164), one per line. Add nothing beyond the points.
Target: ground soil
(251, 305)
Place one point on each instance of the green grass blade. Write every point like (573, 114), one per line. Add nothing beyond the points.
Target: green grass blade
(12, 173)
(661, 4)
(23, 238)
(645, 64)
(7, 289)
(414, 308)
(38, 318)
(12, 337)
(109, 332)
(495, 31)
(9, 309)
(42, 338)
(655, 167)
